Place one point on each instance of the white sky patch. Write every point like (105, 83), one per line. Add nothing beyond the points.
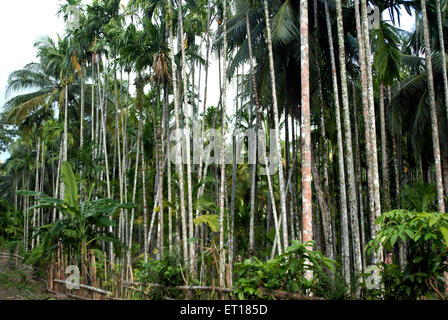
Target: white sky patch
(407, 22)
(22, 22)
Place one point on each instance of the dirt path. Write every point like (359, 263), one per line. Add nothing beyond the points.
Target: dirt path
(16, 283)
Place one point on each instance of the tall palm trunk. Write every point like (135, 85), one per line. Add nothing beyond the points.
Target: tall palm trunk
(326, 214)
(145, 202)
(178, 136)
(307, 205)
(324, 152)
(384, 164)
(81, 125)
(103, 111)
(372, 128)
(253, 167)
(117, 146)
(186, 111)
(432, 105)
(443, 56)
(168, 162)
(65, 138)
(281, 181)
(92, 116)
(395, 157)
(353, 203)
(445, 89)
(36, 188)
(160, 165)
(342, 187)
(268, 176)
(139, 102)
(222, 161)
(359, 175)
(366, 117)
(201, 153)
(233, 192)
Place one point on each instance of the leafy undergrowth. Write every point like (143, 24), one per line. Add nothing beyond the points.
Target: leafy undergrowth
(16, 283)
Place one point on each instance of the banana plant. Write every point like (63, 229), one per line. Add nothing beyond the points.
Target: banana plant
(82, 224)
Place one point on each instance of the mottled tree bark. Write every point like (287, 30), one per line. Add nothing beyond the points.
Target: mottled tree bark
(377, 257)
(253, 166)
(432, 105)
(384, 164)
(179, 165)
(307, 206)
(281, 181)
(186, 111)
(326, 215)
(222, 256)
(359, 176)
(353, 203)
(443, 56)
(340, 157)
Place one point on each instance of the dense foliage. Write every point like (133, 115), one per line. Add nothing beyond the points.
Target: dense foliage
(351, 121)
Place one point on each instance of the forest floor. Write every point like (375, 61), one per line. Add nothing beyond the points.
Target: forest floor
(17, 283)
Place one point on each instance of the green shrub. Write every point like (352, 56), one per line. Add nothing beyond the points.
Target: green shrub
(285, 272)
(426, 237)
(166, 272)
(330, 286)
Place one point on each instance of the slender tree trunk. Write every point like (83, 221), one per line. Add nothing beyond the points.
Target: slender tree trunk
(445, 170)
(58, 185)
(139, 101)
(353, 203)
(366, 117)
(186, 111)
(36, 189)
(65, 138)
(179, 164)
(81, 125)
(281, 181)
(377, 257)
(25, 184)
(233, 192)
(395, 158)
(359, 176)
(201, 153)
(160, 185)
(384, 164)
(263, 147)
(324, 153)
(145, 203)
(222, 161)
(342, 187)
(103, 111)
(253, 166)
(326, 215)
(92, 116)
(443, 56)
(307, 205)
(432, 105)
(103, 105)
